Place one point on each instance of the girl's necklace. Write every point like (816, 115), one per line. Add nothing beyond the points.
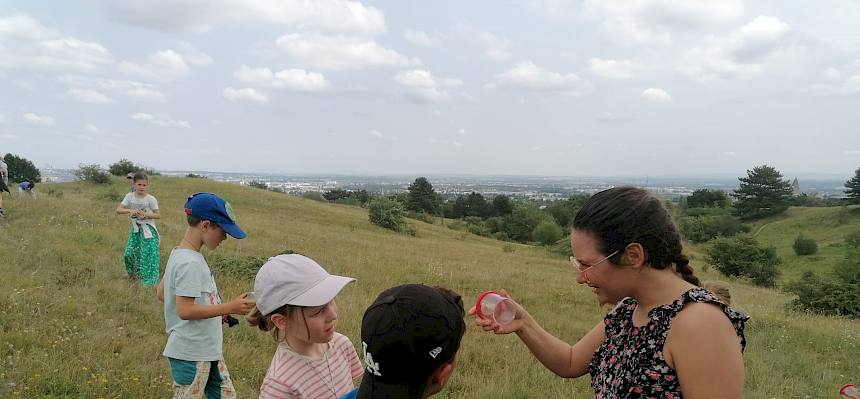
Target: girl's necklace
(330, 383)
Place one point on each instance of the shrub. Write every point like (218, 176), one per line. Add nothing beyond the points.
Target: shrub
(804, 246)
(92, 173)
(386, 213)
(21, 169)
(742, 256)
(313, 196)
(242, 267)
(124, 167)
(195, 176)
(837, 294)
(547, 232)
(422, 216)
(853, 240)
(258, 184)
(699, 229)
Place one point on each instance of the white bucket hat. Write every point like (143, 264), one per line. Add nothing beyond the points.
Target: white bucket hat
(295, 280)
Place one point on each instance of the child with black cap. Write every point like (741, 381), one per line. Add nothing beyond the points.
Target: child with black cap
(193, 310)
(410, 336)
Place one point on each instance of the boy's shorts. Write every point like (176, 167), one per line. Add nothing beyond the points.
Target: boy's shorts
(191, 380)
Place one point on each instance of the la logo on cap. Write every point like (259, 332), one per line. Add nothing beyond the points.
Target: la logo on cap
(372, 367)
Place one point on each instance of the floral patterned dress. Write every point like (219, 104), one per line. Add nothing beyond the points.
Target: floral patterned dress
(630, 363)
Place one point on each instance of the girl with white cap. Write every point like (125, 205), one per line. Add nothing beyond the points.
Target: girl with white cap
(295, 301)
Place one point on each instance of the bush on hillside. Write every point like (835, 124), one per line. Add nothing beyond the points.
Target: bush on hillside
(92, 173)
(386, 213)
(742, 256)
(242, 267)
(313, 196)
(547, 232)
(195, 176)
(853, 240)
(258, 184)
(836, 295)
(21, 169)
(804, 246)
(699, 229)
(124, 167)
(422, 216)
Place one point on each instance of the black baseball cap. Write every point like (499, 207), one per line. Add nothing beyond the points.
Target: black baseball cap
(406, 334)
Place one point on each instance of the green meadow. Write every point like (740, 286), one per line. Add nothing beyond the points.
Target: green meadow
(72, 326)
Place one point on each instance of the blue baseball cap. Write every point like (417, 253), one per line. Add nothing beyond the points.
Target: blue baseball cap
(207, 206)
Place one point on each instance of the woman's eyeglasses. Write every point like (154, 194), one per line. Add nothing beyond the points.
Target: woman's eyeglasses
(581, 268)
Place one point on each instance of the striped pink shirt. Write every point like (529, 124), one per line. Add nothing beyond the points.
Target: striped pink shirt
(294, 376)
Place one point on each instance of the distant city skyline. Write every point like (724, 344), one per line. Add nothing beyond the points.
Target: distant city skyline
(534, 88)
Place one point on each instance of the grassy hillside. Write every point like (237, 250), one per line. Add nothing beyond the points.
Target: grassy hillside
(72, 326)
(827, 226)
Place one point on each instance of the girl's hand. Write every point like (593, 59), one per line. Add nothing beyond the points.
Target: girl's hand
(519, 321)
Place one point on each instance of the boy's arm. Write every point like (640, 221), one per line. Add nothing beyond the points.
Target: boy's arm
(159, 291)
(186, 309)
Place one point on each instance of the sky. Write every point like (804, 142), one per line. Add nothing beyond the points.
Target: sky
(544, 87)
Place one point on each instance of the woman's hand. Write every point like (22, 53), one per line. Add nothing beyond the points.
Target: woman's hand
(520, 318)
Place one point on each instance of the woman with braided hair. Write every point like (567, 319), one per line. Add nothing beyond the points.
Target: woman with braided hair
(666, 337)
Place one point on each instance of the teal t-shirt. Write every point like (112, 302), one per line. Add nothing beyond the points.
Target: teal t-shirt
(351, 394)
(188, 275)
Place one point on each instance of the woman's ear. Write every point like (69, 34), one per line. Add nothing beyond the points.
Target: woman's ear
(634, 255)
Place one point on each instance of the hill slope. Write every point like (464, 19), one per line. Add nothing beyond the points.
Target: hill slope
(827, 226)
(72, 326)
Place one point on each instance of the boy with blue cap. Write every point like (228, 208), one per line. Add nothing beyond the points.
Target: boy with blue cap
(193, 311)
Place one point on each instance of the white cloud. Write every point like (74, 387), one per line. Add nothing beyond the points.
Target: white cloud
(528, 76)
(245, 94)
(495, 47)
(160, 65)
(84, 137)
(201, 16)
(610, 117)
(420, 38)
(88, 96)
(192, 55)
(8, 136)
(851, 152)
(140, 116)
(741, 54)
(654, 21)
(832, 74)
(161, 120)
(288, 79)
(27, 44)
(376, 134)
(656, 95)
(90, 128)
(41, 120)
(339, 52)
(2, 118)
(132, 89)
(613, 69)
(422, 86)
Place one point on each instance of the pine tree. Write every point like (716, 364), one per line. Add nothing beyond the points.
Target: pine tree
(762, 193)
(853, 188)
(421, 197)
